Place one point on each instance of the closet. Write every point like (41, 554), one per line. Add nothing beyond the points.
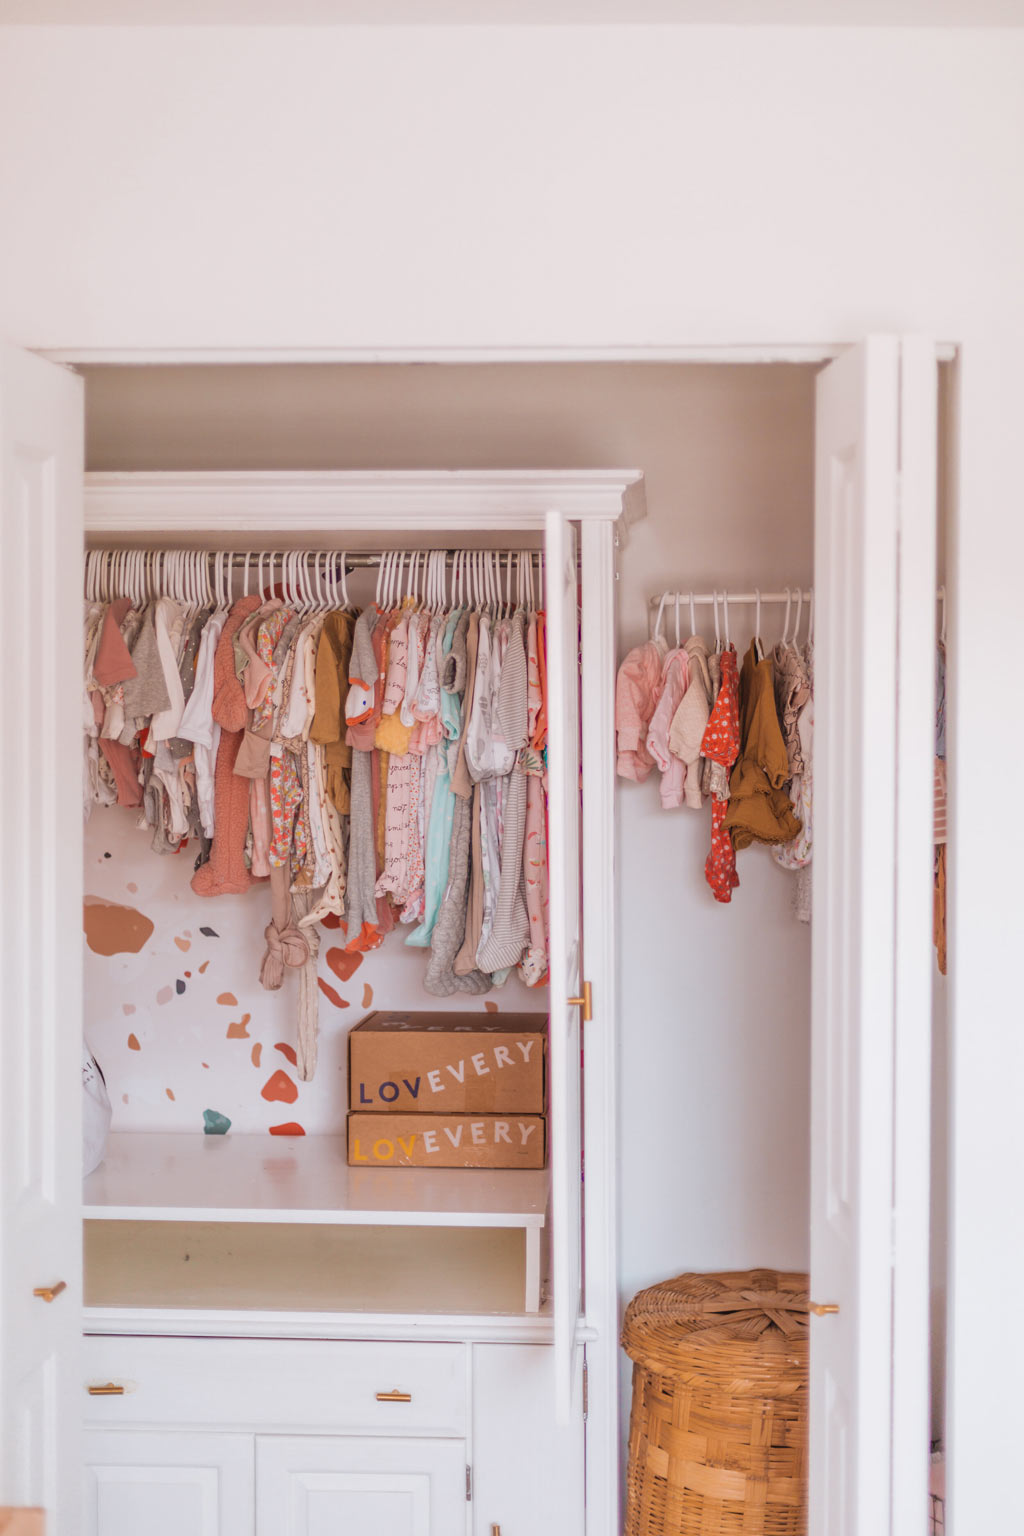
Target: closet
(241, 1388)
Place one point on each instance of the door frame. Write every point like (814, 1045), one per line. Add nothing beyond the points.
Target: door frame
(603, 1466)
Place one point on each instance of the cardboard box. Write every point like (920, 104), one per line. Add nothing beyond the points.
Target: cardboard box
(446, 1141)
(443, 1063)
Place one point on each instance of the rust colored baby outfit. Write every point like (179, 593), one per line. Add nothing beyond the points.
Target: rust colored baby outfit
(759, 807)
(721, 744)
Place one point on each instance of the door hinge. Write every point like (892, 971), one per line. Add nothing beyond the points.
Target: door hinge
(586, 1392)
(469, 1485)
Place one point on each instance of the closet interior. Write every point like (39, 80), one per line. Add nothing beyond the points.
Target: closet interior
(698, 1139)
(191, 1220)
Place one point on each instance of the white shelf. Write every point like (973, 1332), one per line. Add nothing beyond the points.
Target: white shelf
(148, 1176)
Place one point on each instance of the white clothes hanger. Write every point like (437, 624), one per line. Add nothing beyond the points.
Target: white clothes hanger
(725, 619)
(785, 622)
(657, 621)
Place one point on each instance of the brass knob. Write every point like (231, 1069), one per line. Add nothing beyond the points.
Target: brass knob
(394, 1397)
(50, 1292)
(495, 1530)
(823, 1308)
(110, 1390)
(585, 1002)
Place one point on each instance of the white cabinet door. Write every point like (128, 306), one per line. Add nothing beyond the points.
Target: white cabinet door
(41, 454)
(167, 1483)
(310, 1485)
(566, 981)
(875, 583)
(528, 1471)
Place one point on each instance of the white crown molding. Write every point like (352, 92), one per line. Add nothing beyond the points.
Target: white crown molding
(369, 501)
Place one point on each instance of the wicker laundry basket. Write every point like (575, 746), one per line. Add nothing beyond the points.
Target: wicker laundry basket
(718, 1432)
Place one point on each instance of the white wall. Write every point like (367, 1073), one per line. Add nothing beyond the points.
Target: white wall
(591, 190)
(511, 187)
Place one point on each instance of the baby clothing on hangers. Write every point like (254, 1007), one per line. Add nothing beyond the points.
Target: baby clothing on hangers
(721, 745)
(759, 808)
(637, 689)
(690, 721)
(675, 677)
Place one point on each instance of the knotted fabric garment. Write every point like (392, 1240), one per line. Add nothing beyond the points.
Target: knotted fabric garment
(286, 944)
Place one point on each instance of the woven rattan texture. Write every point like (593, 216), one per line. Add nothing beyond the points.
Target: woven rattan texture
(718, 1431)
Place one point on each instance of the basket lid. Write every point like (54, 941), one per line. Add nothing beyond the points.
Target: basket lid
(720, 1320)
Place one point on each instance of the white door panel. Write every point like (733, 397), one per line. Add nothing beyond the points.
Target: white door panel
(323, 1486)
(41, 466)
(168, 1483)
(871, 887)
(514, 1426)
(566, 980)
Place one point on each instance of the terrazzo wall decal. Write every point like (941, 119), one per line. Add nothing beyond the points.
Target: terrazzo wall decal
(343, 964)
(331, 995)
(180, 1032)
(111, 929)
(332, 920)
(214, 1123)
(288, 1052)
(279, 1088)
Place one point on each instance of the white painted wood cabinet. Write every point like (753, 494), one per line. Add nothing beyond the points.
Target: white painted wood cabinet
(328, 1431)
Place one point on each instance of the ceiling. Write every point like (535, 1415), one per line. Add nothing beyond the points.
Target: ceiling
(883, 13)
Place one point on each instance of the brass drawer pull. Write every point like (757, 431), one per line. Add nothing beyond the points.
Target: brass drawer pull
(394, 1397)
(110, 1390)
(823, 1309)
(50, 1292)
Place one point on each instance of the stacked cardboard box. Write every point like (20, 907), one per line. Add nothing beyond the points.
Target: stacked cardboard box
(443, 1090)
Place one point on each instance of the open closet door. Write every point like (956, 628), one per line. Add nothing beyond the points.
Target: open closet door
(41, 466)
(874, 744)
(565, 1102)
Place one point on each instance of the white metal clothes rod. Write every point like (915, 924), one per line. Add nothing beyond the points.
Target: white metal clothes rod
(671, 598)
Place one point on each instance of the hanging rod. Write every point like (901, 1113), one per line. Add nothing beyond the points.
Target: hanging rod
(670, 598)
(354, 560)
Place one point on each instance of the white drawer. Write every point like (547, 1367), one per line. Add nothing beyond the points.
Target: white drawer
(277, 1384)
